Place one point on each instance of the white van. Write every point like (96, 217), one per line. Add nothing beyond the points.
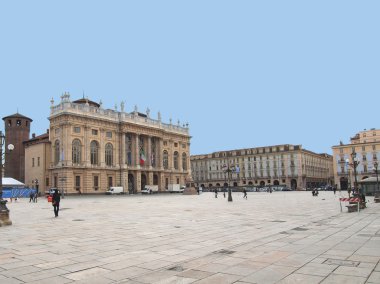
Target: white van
(115, 190)
(149, 189)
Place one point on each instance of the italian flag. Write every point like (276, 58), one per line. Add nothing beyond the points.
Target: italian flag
(142, 157)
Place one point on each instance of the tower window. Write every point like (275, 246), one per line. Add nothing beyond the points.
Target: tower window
(18, 123)
(9, 122)
(26, 123)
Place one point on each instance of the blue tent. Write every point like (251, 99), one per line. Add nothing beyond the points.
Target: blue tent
(17, 192)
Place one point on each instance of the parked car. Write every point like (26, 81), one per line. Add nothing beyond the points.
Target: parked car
(287, 189)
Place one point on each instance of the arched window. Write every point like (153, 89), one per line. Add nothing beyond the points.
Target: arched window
(76, 151)
(184, 161)
(165, 160)
(57, 152)
(175, 160)
(153, 152)
(128, 142)
(94, 153)
(109, 154)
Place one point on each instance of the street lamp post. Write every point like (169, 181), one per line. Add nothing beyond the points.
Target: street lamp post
(376, 164)
(348, 175)
(229, 169)
(4, 211)
(355, 163)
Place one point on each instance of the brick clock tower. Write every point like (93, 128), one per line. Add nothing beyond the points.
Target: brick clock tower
(17, 130)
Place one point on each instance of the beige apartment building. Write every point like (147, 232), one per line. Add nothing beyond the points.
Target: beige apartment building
(287, 165)
(366, 145)
(92, 149)
(37, 161)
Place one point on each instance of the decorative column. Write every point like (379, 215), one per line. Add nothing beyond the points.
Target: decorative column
(86, 147)
(101, 148)
(123, 152)
(149, 153)
(160, 149)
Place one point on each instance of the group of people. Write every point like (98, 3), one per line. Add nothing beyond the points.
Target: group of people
(224, 193)
(33, 196)
(55, 199)
(315, 192)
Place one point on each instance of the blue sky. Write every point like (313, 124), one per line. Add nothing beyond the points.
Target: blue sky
(241, 73)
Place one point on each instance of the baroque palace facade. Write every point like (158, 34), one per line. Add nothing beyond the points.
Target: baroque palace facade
(92, 149)
(287, 165)
(366, 146)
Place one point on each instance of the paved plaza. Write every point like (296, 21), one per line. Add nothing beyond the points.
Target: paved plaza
(283, 237)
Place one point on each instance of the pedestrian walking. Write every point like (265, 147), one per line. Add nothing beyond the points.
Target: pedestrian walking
(224, 192)
(334, 189)
(31, 196)
(216, 193)
(55, 201)
(245, 193)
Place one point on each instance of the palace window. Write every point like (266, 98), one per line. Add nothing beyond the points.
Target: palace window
(128, 142)
(76, 151)
(96, 182)
(109, 134)
(109, 154)
(77, 183)
(184, 161)
(110, 182)
(56, 152)
(165, 160)
(94, 132)
(175, 160)
(94, 148)
(154, 152)
(76, 129)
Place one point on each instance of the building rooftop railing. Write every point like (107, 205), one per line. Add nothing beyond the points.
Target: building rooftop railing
(116, 116)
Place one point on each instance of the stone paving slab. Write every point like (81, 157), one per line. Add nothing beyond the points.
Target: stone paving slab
(283, 237)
